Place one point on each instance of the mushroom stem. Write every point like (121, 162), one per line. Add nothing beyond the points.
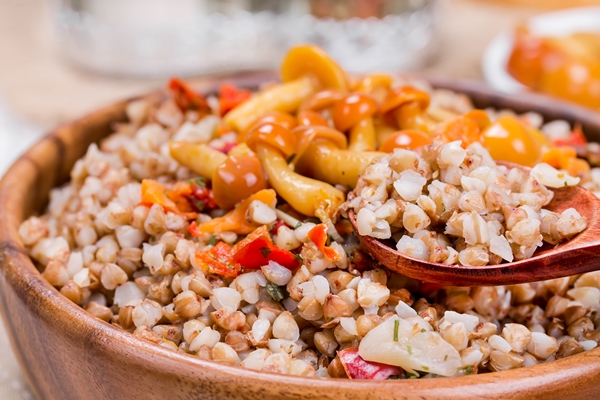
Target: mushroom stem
(285, 97)
(200, 158)
(324, 161)
(383, 131)
(411, 116)
(362, 136)
(307, 196)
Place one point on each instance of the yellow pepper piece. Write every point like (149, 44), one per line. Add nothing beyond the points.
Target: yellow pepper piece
(558, 156)
(507, 139)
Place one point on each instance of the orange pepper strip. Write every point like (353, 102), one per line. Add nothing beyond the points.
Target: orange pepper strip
(558, 156)
(171, 200)
(318, 235)
(576, 166)
(217, 260)
(235, 220)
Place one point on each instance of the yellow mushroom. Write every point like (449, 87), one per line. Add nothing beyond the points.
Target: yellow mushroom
(349, 112)
(304, 70)
(354, 114)
(365, 134)
(200, 158)
(234, 177)
(406, 106)
(322, 155)
(274, 144)
(377, 85)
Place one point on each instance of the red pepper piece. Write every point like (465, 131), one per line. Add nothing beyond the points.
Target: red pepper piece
(278, 224)
(193, 229)
(318, 235)
(576, 139)
(202, 198)
(186, 98)
(358, 368)
(260, 251)
(218, 261)
(230, 97)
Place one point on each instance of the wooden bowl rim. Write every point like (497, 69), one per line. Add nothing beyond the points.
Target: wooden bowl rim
(26, 281)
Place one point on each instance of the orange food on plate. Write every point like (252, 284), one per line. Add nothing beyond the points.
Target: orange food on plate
(564, 66)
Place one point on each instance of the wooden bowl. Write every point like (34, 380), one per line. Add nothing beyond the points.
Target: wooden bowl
(65, 353)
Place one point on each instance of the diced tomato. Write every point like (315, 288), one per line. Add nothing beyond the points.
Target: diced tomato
(576, 139)
(186, 98)
(278, 224)
(218, 261)
(202, 198)
(318, 235)
(257, 249)
(184, 198)
(358, 368)
(230, 96)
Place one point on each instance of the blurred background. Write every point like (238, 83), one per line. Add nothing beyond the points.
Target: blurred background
(62, 58)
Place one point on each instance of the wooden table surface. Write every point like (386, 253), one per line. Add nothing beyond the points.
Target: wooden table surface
(39, 90)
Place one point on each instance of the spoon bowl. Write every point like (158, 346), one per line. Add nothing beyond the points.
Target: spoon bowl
(578, 255)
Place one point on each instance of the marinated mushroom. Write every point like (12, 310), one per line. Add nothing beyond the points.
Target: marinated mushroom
(322, 155)
(274, 144)
(304, 70)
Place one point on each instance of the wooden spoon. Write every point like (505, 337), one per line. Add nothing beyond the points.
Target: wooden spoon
(578, 255)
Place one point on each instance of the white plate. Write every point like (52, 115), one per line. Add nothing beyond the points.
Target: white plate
(558, 23)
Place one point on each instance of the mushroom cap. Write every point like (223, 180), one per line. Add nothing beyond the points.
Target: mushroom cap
(309, 134)
(311, 60)
(403, 95)
(410, 139)
(285, 119)
(323, 99)
(372, 81)
(310, 117)
(275, 135)
(239, 177)
(352, 109)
